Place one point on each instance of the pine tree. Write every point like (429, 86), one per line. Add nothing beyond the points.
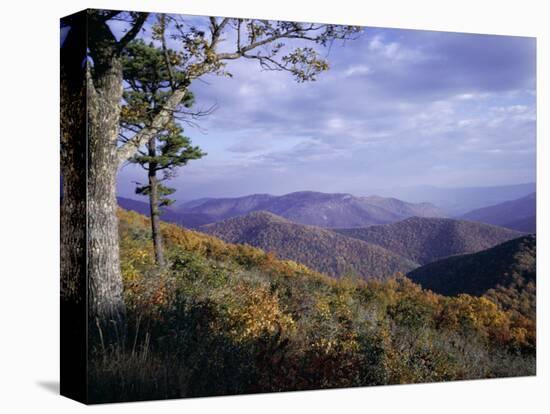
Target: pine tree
(149, 83)
(95, 90)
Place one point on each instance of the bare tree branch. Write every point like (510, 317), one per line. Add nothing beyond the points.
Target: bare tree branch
(110, 14)
(217, 30)
(133, 32)
(249, 47)
(295, 33)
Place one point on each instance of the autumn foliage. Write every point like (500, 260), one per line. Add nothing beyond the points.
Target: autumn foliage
(225, 319)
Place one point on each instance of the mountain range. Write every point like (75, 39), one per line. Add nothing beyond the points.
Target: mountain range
(424, 240)
(305, 207)
(320, 249)
(314, 208)
(518, 214)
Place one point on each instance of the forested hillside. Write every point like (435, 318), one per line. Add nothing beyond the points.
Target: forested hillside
(506, 273)
(525, 225)
(424, 240)
(223, 319)
(320, 249)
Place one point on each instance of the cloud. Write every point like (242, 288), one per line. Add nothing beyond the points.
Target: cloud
(394, 105)
(247, 145)
(393, 50)
(354, 70)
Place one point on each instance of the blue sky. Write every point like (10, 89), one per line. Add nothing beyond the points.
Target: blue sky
(397, 108)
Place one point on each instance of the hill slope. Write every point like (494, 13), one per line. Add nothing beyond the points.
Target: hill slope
(519, 213)
(320, 249)
(424, 240)
(508, 266)
(230, 319)
(526, 225)
(314, 208)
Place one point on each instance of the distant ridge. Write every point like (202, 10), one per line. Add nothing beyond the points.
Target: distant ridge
(314, 208)
(518, 214)
(189, 220)
(459, 200)
(317, 248)
(424, 240)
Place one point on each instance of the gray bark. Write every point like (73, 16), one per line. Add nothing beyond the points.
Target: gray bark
(105, 279)
(104, 93)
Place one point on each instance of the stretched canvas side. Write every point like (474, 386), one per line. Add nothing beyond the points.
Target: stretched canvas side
(73, 375)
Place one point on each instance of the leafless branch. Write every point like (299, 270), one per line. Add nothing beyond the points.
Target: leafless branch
(109, 15)
(133, 32)
(216, 30)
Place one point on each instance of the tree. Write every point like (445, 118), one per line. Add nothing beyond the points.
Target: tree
(146, 72)
(200, 52)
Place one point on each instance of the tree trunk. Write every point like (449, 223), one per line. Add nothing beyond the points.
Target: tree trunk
(154, 205)
(90, 161)
(107, 310)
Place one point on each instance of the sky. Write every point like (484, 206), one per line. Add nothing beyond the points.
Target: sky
(398, 108)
